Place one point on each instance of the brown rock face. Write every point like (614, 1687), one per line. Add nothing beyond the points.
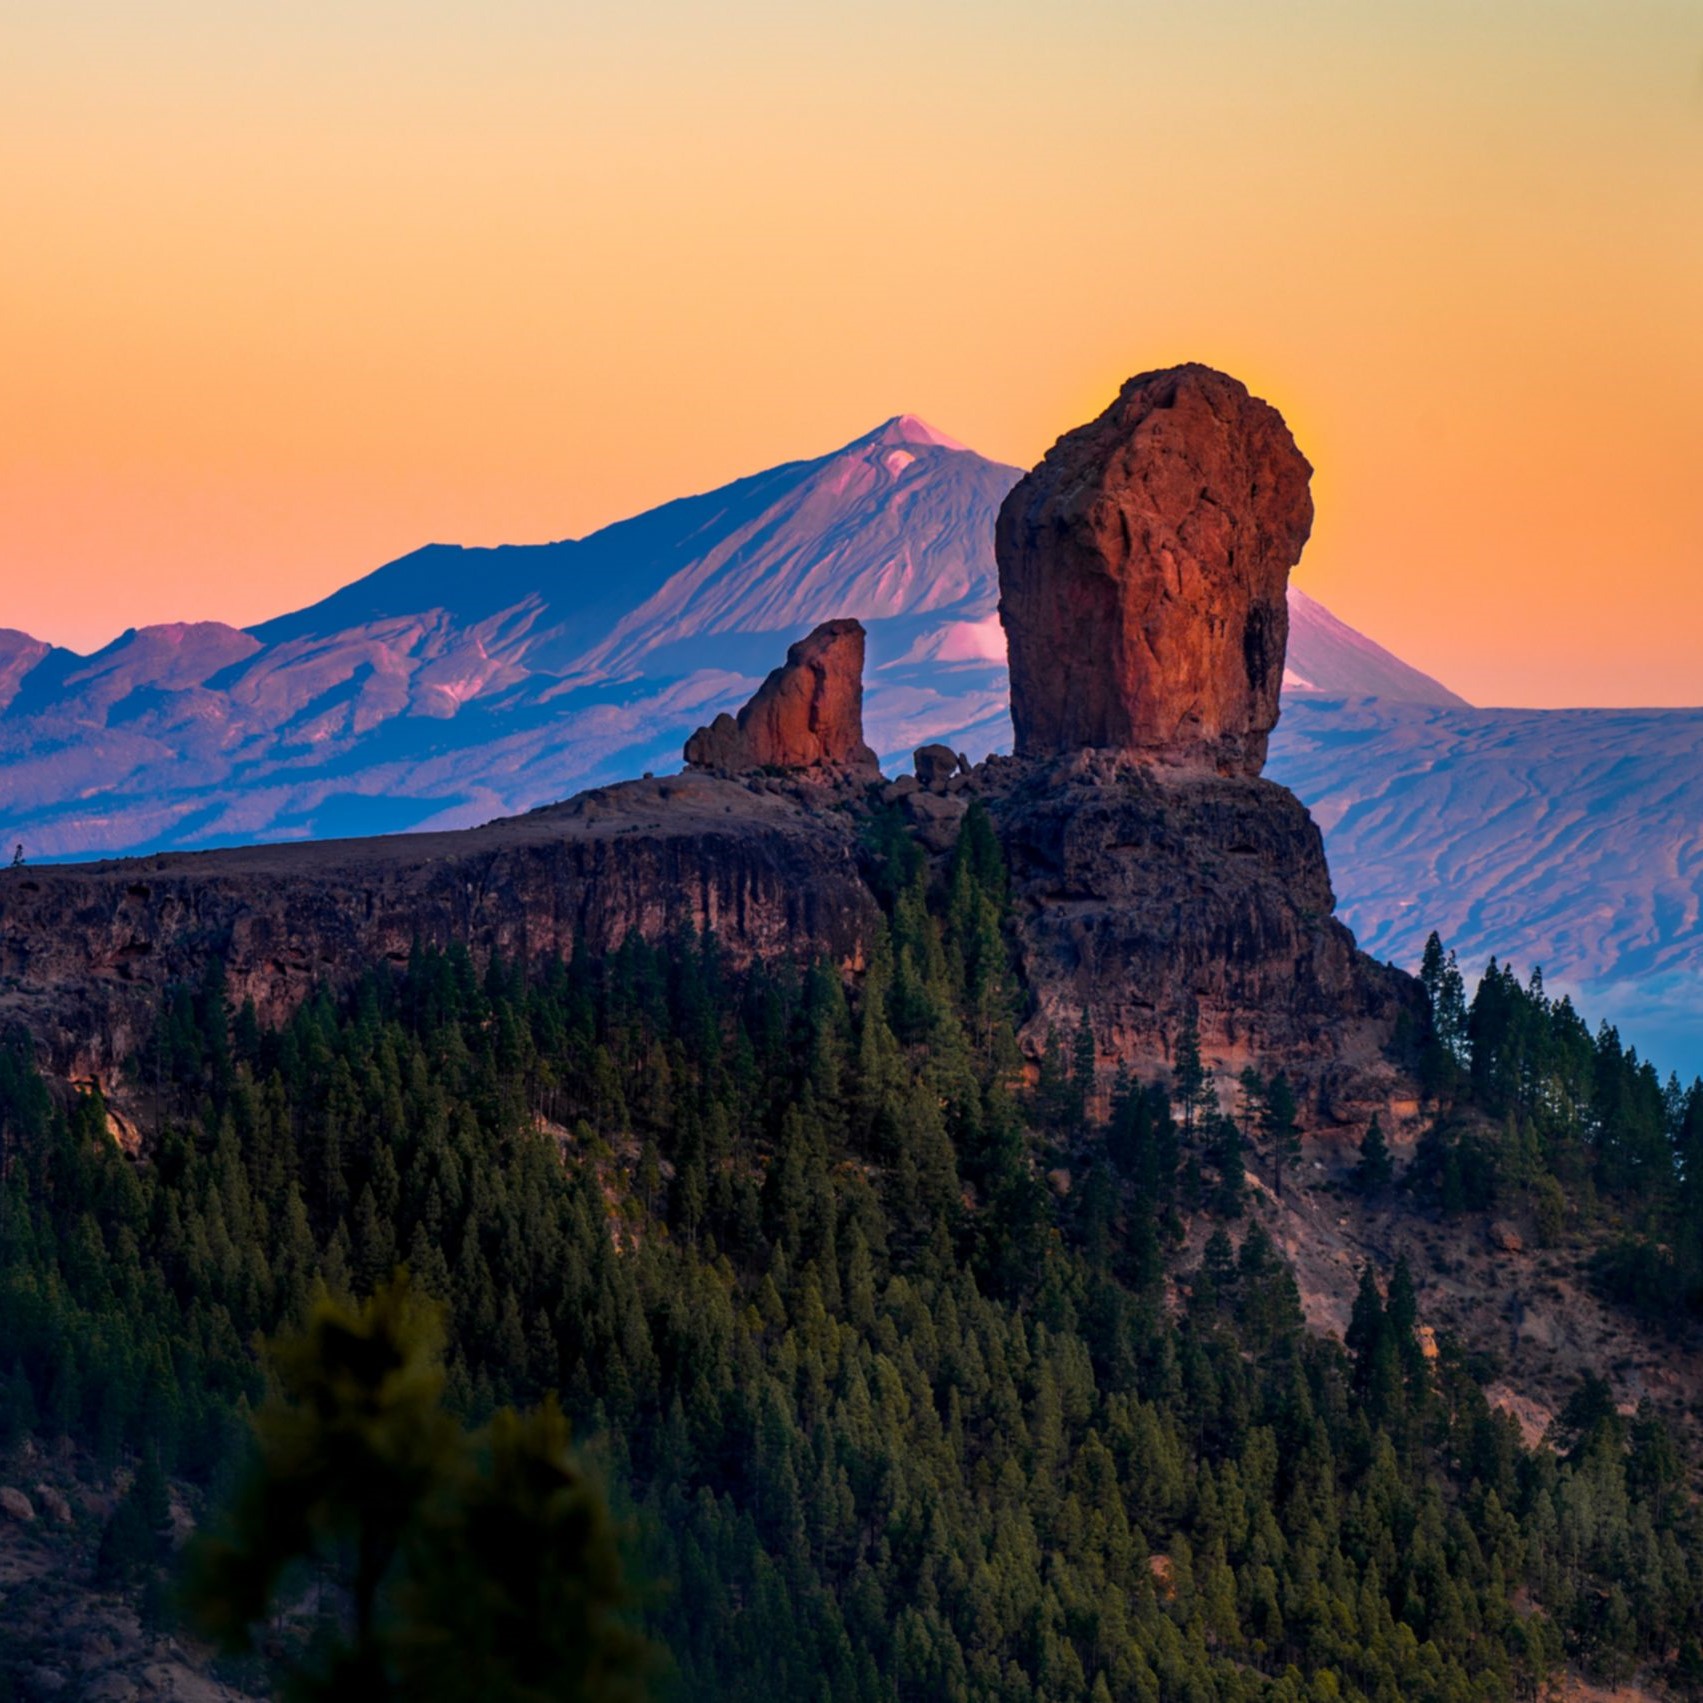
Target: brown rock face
(86, 950)
(806, 717)
(1142, 572)
(1143, 893)
(935, 766)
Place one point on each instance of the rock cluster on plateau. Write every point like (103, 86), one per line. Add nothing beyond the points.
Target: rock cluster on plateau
(807, 717)
(1142, 572)
(1154, 874)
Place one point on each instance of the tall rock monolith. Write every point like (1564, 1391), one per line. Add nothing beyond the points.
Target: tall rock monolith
(1142, 571)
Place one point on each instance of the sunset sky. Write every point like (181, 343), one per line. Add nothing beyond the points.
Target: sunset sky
(289, 287)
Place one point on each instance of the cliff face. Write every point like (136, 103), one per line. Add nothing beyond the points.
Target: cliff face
(1142, 572)
(86, 951)
(1143, 896)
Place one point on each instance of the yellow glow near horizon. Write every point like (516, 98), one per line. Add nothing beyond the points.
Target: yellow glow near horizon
(289, 289)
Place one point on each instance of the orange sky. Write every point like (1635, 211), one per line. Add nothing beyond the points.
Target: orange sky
(291, 286)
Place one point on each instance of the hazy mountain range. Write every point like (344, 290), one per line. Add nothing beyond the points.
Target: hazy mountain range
(454, 685)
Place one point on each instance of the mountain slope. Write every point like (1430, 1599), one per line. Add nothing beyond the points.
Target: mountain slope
(1328, 656)
(1566, 839)
(454, 685)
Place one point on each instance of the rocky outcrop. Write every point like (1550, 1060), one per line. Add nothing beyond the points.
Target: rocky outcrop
(1154, 874)
(1142, 571)
(806, 718)
(1143, 574)
(935, 766)
(86, 951)
(1144, 895)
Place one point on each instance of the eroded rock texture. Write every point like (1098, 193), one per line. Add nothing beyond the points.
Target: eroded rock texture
(1142, 572)
(806, 718)
(1143, 567)
(88, 950)
(1144, 894)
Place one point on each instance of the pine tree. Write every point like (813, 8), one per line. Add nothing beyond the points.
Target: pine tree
(1376, 1169)
(1192, 1092)
(1231, 1191)
(1365, 1331)
(477, 1567)
(1084, 1062)
(1279, 1129)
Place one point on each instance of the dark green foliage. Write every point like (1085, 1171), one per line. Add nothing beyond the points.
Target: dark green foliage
(137, 1538)
(1192, 1092)
(1279, 1132)
(470, 1567)
(894, 1417)
(1543, 1116)
(1446, 1052)
(1376, 1169)
(1225, 1153)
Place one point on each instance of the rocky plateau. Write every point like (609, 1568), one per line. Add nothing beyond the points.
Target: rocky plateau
(1155, 875)
(88, 950)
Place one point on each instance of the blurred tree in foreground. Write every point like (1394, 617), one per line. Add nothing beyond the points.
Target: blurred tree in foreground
(461, 1565)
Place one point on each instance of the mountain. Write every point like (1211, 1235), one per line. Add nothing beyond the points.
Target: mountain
(455, 685)
(1328, 657)
(1566, 839)
(912, 1374)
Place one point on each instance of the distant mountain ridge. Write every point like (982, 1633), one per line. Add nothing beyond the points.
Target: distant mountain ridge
(1570, 840)
(1329, 657)
(456, 684)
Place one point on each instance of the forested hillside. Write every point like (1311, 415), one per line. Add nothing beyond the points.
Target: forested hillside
(919, 1379)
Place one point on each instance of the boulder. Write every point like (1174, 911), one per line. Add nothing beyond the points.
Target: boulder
(53, 1504)
(15, 1505)
(935, 766)
(935, 817)
(806, 718)
(1142, 573)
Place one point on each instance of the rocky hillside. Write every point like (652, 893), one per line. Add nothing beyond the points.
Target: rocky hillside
(1161, 881)
(1129, 907)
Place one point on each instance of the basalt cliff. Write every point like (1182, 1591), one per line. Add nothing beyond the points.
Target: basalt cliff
(88, 950)
(1155, 875)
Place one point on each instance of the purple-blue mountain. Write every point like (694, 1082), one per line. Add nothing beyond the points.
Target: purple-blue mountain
(454, 685)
